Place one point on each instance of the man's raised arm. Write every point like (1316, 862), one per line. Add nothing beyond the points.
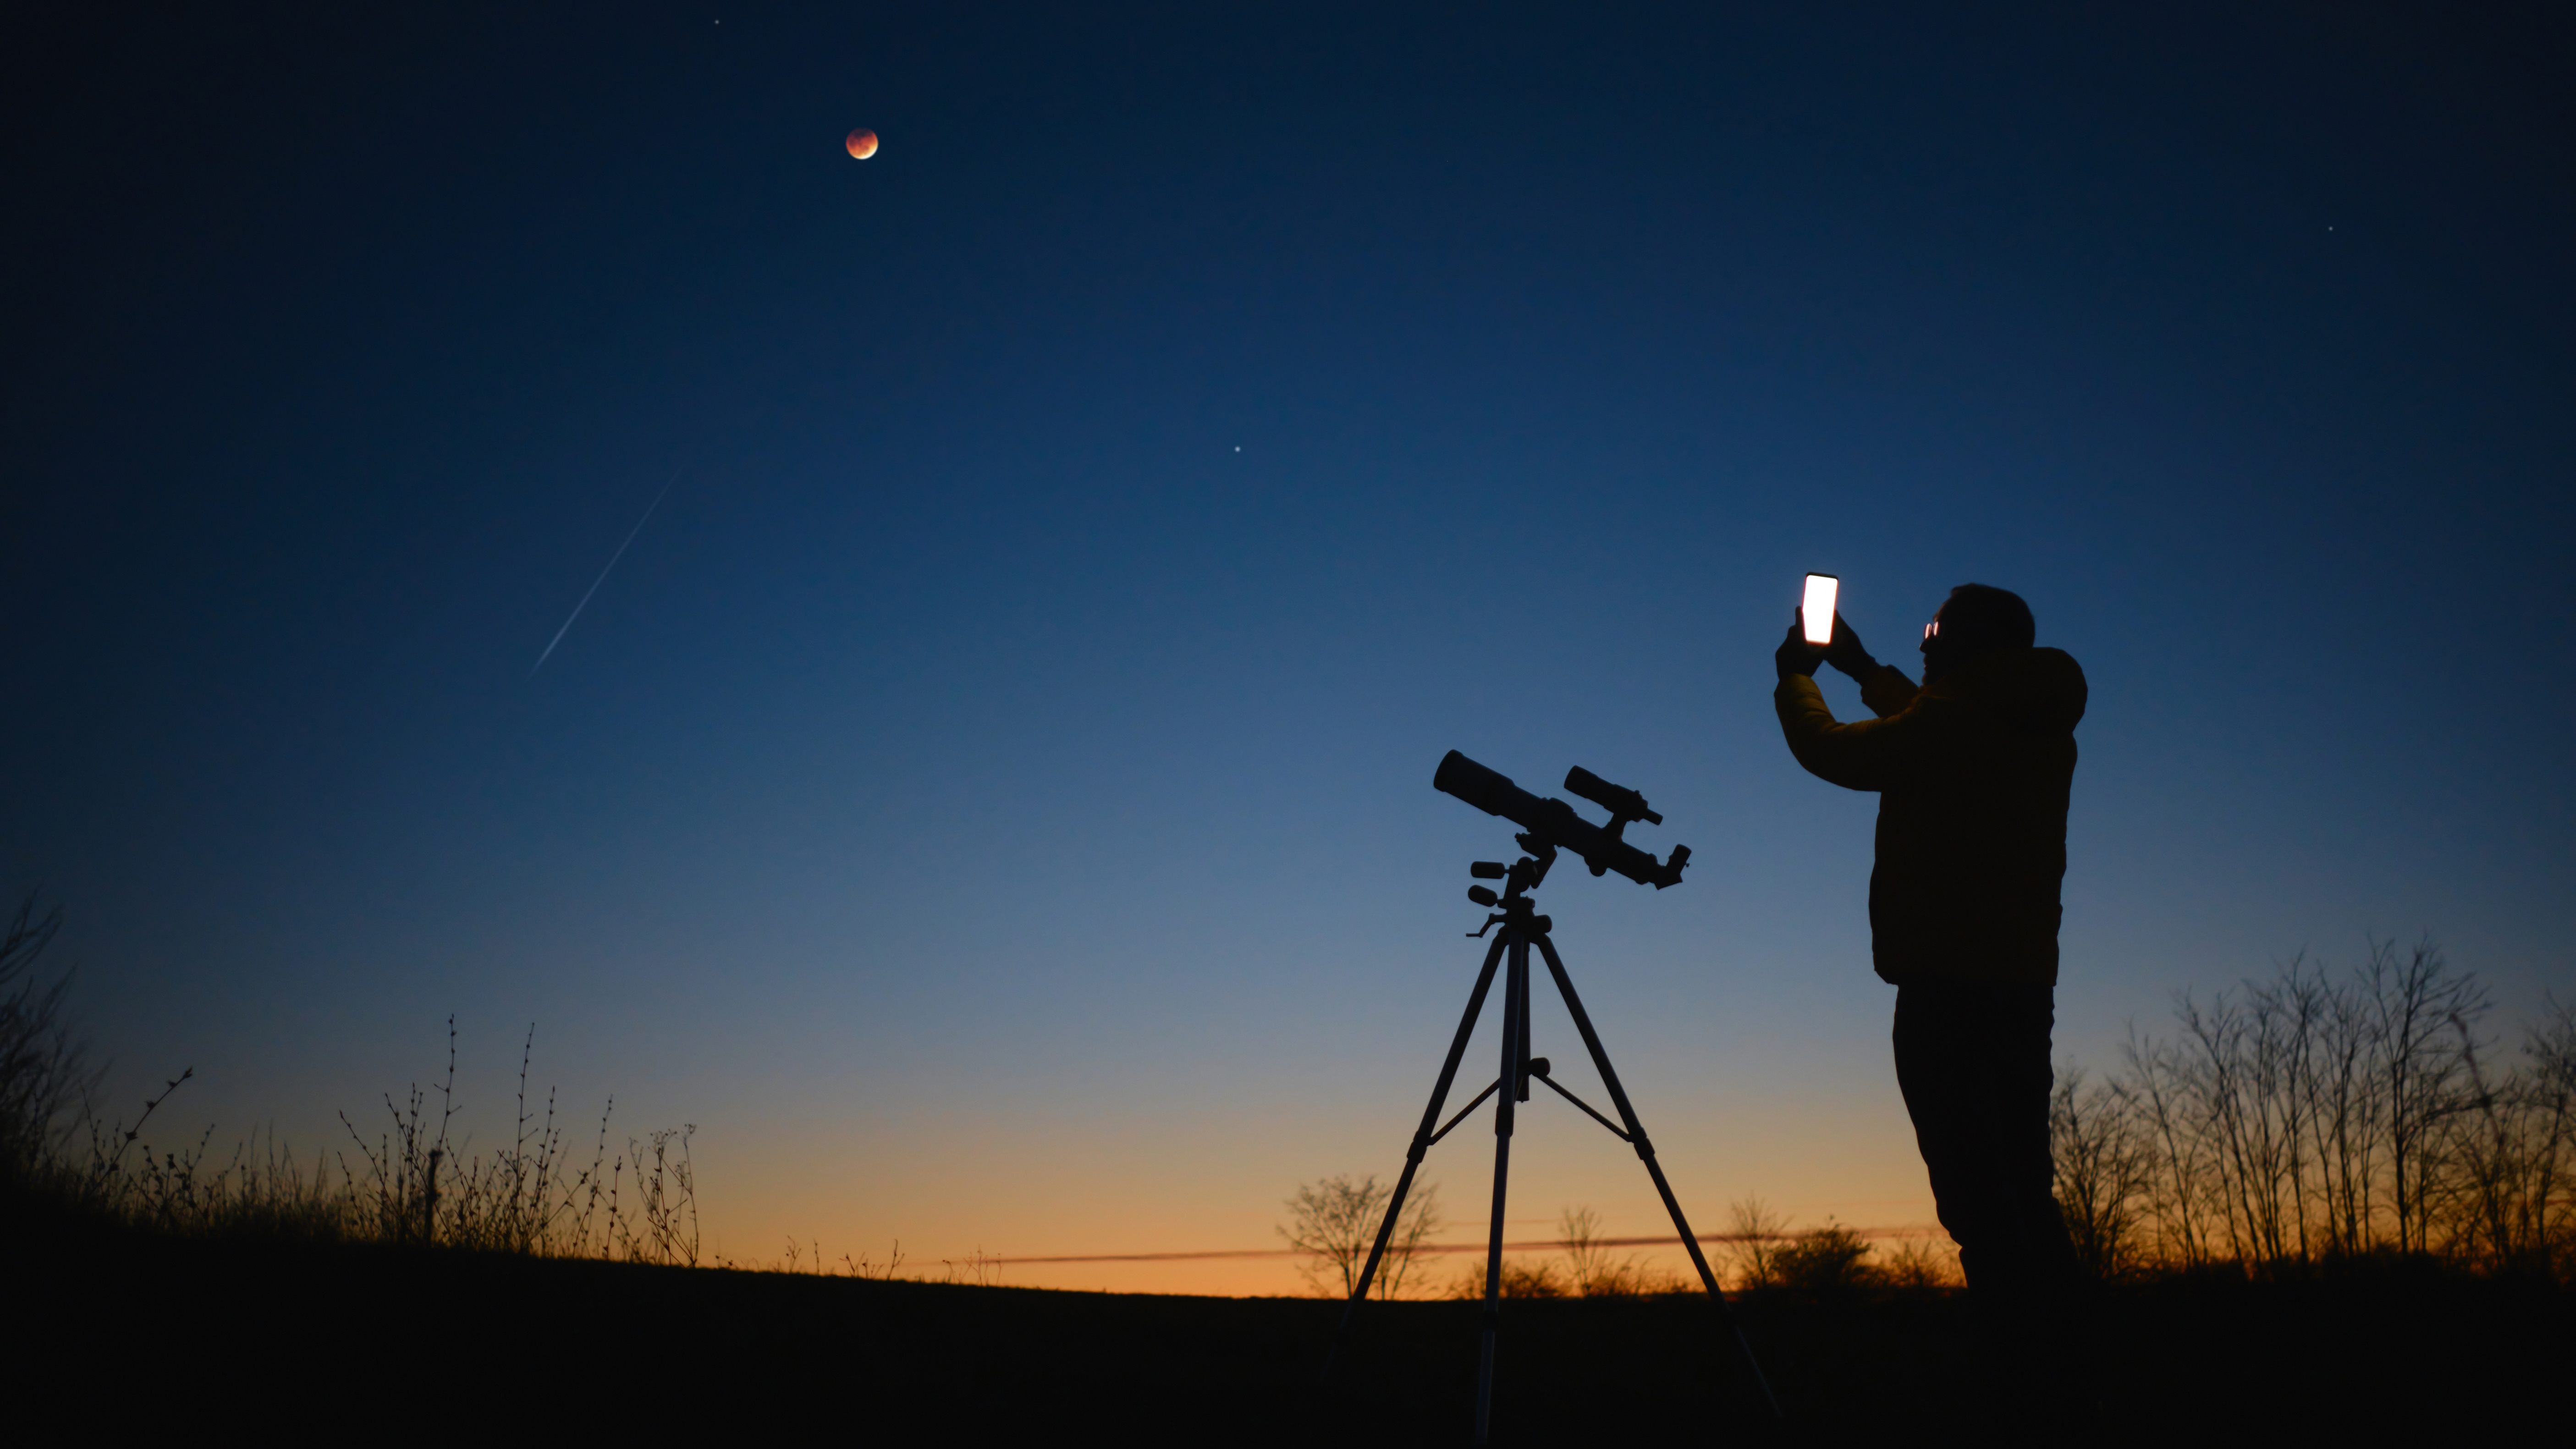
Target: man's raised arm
(1865, 755)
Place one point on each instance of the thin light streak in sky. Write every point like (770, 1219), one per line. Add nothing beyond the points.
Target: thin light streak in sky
(603, 575)
(1536, 1245)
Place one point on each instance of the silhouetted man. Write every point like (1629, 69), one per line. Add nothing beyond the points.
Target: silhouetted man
(1972, 770)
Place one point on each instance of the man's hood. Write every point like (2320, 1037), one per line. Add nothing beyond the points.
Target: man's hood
(2038, 691)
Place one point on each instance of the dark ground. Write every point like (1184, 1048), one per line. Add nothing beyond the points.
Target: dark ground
(150, 1333)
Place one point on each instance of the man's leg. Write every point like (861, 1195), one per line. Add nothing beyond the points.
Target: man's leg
(1973, 1064)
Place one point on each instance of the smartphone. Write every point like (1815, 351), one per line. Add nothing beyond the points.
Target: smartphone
(1821, 589)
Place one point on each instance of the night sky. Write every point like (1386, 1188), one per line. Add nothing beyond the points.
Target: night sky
(991, 796)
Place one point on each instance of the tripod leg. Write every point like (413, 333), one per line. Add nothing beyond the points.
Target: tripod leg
(1421, 1139)
(1515, 1085)
(1646, 1154)
(1521, 1084)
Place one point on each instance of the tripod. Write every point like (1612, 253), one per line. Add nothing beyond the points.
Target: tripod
(1523, 928)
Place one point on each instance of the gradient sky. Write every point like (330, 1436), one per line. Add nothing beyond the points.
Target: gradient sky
(991, 796)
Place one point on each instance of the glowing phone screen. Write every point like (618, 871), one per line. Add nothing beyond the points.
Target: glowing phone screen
(1821, 589)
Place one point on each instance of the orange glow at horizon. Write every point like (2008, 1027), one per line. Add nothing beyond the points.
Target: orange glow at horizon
(1274, 1272)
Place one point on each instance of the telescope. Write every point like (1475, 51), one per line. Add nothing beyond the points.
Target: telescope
(1552, 823)
(1547, 827)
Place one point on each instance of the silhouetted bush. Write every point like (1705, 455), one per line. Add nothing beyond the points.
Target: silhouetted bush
(1829, 1259)
(1521, 1279)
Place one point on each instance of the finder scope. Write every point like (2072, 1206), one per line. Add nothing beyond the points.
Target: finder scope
(1553, 823)
(1623, 803)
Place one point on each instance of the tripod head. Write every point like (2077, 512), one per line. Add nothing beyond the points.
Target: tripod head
(1552, 823)
(1519, 879)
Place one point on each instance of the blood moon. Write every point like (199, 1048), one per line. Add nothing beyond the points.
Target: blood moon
(862, 144)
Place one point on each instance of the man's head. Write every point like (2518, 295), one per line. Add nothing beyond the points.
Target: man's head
(1976, 620)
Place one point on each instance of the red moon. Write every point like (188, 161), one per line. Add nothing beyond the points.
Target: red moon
(862, 144)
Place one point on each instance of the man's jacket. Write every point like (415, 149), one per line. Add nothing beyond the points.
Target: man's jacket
(1972, 773)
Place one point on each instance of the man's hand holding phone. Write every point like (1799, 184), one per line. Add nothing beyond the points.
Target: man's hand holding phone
(1846, 653)
(1795, 655)
(1826, 640)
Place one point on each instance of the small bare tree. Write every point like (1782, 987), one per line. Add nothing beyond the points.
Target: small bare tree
(2104, 1169)
(1595, 1271)
(2181, 1199)
(2245, 1055)
(2550, 1096)
(43, 1076)
(1334, 1222)
(1759, 1233)
(1579, 1232)
(2427, 1021)
(2344, 1116)
(2506, 1203)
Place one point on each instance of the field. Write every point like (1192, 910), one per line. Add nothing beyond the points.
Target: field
(153, 1331)
(521, 1291)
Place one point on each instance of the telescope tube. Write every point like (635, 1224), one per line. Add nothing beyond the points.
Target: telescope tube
(1555, 822)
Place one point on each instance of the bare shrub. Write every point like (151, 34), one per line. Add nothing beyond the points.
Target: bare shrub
(978, 1269)
(1925, 1262)
(414, 1184)
(1521, 1279)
